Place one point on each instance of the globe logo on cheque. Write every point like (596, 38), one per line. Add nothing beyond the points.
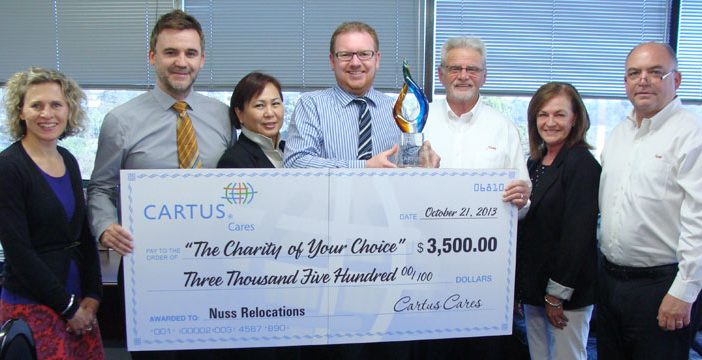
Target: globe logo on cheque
(239, 193)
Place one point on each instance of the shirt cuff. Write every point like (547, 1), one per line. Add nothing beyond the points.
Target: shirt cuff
(100, 229)
(684, 290)
(357, 164)
(555, 289)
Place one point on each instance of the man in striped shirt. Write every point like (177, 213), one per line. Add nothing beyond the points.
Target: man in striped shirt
(324, 131)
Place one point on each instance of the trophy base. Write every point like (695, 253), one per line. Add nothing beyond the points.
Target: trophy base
(409, 155)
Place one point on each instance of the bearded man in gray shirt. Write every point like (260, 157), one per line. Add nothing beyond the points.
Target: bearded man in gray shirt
(141, 133)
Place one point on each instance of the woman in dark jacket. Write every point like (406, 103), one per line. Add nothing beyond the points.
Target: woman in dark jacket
(557, 253)
(257, 109)
(52, 271)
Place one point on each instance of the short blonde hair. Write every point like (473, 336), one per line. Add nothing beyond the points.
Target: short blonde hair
(16, 89)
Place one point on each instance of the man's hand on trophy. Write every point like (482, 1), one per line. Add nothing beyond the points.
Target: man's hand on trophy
(382, 159)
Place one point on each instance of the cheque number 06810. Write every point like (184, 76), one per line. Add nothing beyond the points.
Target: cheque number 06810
(457, 245)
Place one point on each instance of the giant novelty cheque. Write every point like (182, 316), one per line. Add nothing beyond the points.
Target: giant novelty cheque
(273, 257)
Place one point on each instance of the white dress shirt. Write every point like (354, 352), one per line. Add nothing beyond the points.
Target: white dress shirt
(479, 139)
(651, 195)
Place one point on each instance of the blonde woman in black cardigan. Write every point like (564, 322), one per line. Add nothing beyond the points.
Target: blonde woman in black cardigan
(52, 271)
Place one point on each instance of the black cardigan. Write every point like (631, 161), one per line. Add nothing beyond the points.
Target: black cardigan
(557, 238)
(38, 240)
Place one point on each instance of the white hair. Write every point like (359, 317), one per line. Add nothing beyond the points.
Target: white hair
(463, 42)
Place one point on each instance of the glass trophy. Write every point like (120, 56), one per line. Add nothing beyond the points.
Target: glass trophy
(410, 114)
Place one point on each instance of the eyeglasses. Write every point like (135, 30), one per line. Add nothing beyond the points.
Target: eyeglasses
(653, 75)
(471, 70)
(348, 55)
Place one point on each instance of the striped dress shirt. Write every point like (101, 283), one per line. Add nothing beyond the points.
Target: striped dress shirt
(323, 132)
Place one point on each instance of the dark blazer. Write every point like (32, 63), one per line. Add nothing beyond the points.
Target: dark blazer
(37, 237)
(557, 238)
(244, 154)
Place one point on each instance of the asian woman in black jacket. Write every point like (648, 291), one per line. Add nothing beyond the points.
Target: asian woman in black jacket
(257, 109)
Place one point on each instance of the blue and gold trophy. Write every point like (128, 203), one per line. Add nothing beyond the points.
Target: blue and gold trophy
(411, 119)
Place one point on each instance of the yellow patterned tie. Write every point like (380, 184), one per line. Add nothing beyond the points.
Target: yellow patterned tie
(188, 154)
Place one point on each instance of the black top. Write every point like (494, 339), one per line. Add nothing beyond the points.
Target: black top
(244, 154)
(557, 238)
(38, 239)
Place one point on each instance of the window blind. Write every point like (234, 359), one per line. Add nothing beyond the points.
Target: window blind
(290, 39)
(100, 44)
(690, 50)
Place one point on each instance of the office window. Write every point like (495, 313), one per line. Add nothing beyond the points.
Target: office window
(531, 42)
(97, 63)
(104, 44)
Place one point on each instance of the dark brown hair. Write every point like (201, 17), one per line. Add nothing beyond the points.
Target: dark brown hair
(545, 93)
(249, 87)
(176, 20)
